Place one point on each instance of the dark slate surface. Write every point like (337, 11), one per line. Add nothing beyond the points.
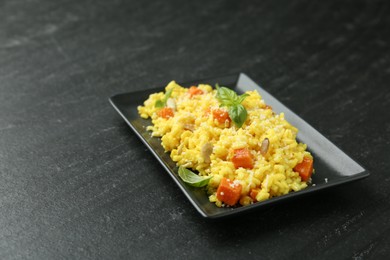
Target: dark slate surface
(76, 183)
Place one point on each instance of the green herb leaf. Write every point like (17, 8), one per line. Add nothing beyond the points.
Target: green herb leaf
(163, 102)
(241, 98)
(192, 178)
(159, 103)
(238, 114)
(232, 101)
(225, 96)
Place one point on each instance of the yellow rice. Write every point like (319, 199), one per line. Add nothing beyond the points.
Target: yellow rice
(272, 173)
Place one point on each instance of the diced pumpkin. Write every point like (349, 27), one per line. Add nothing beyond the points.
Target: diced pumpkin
(305, 168)
(194, 91)
(221, 115)
(242, 158)
(229, 192)
(165, 112)
(253, 193)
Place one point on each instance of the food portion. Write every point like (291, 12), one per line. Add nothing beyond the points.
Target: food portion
(235, 146)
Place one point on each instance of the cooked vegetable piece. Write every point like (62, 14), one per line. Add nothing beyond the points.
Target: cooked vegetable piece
(253, 193)
(305, 168)
(242, 158)
(221, 115)
(268, 107)
(165, 112)
(194, 91)
(229, 192)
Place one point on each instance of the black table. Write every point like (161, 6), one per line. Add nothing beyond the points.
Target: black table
(77, 183)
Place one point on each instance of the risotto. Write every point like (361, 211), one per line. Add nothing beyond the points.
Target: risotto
(241, 150)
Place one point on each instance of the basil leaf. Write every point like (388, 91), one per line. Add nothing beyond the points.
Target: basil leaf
(168, 94)
(238, 114)
(225, 96)
(241, 98)
(232, 101)
(159, 103)
(163, 102)
(192, 178)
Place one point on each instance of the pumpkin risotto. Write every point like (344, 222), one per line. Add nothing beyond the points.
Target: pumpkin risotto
(246, 152)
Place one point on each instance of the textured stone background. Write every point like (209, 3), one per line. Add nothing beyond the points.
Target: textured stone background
(76, 183)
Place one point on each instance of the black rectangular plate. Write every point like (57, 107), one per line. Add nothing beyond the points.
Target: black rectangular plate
(333, 167)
